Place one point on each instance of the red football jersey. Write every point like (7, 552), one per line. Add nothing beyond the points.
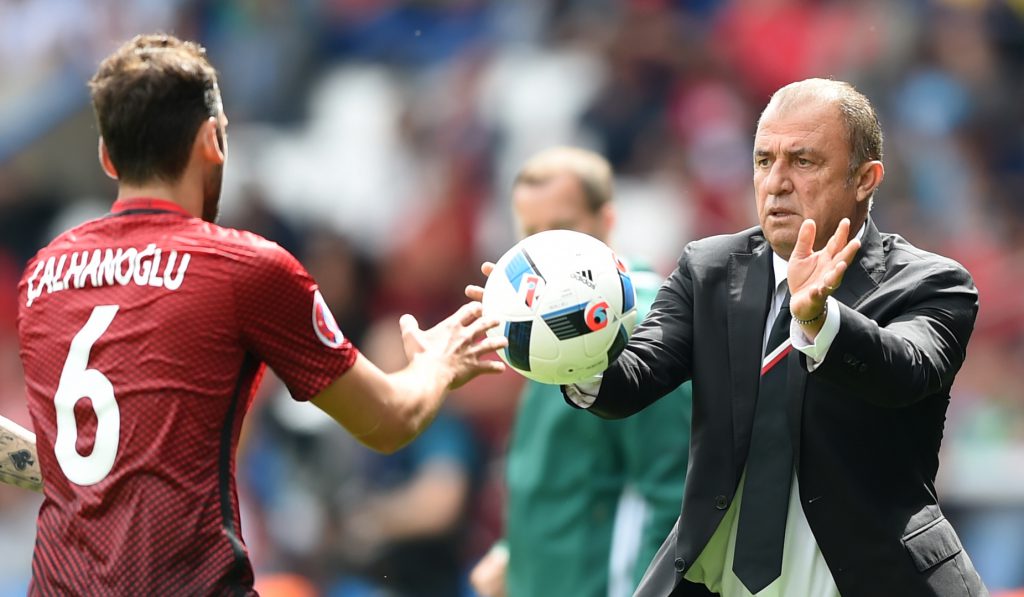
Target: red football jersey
(144, 335)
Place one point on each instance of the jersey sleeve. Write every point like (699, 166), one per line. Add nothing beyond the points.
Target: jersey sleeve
(284, 321)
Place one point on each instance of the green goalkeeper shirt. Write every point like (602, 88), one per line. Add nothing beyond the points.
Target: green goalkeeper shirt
(591, 500)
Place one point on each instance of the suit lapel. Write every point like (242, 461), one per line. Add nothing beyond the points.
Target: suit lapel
(860, 281)
(749, 281)
(866, 271)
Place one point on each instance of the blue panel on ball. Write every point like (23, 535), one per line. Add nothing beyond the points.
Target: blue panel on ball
(519, 266)
(628, 294)
(518, 350)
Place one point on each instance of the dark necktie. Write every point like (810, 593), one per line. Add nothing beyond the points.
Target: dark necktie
(762, 523)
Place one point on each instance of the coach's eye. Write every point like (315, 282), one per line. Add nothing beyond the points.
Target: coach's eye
(803, 162)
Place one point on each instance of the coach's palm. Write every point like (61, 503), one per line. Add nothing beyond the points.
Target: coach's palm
(814, 275)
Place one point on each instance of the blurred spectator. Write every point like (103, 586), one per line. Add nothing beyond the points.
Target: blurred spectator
(401, 536)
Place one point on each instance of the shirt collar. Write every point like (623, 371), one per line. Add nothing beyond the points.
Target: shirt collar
(147, 204)
(781, 266)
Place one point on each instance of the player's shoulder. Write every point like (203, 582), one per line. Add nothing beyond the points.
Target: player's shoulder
(234, 238)
(72, 237)
(248, 248)
(69, 240)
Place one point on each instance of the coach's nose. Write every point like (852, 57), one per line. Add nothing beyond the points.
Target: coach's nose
(777, 181)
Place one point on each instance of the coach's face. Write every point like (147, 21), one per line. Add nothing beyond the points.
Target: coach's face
(801, 170)
(559, 203)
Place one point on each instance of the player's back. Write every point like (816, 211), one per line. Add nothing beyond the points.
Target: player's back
(143, 335)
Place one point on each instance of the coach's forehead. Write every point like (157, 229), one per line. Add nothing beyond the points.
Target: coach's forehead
(812, 121)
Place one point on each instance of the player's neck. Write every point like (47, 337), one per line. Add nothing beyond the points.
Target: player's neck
(176, 193)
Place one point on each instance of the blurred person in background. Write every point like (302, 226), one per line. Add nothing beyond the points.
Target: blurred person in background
(400, 528)
(589, 500)
(146, 359)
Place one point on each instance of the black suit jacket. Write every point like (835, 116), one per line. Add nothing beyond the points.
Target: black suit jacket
(866, 424)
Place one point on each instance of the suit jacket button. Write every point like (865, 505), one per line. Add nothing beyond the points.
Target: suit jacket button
(721, 502)
(863, 367)
(680, 564)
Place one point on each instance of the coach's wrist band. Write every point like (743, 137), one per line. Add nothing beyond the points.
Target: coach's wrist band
(824, 310)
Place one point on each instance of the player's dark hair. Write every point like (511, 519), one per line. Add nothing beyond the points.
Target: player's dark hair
(150, 97)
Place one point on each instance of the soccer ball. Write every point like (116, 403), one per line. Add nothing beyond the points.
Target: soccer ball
(566, 303)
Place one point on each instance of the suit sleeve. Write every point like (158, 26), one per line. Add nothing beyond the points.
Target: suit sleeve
(658, 356)
(917, 351)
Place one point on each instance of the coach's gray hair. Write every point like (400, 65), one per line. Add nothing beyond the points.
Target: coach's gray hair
(592, 170)
(863, 131)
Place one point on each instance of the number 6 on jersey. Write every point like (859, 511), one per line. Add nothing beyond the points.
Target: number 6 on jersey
(78, 382)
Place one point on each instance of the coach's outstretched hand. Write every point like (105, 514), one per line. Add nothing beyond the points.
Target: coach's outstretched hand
(458, 343)
(814, 275)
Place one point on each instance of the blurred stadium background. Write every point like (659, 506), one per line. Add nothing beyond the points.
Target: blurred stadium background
(377, 140)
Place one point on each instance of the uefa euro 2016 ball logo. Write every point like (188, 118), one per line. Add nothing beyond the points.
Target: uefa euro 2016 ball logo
(597, 316)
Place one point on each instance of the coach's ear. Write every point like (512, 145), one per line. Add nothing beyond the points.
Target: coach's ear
(211, 142)
(868, 177)
(105, 161)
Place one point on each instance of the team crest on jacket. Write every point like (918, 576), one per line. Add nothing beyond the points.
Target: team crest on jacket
(324, 324)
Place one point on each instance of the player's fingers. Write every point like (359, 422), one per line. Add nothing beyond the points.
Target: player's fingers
(489, 344)
(490, 366)
(411, 334)
(487, 267)
(479, 327)
(468, 313)
(408, 324)
(474, 292)
(804, 239)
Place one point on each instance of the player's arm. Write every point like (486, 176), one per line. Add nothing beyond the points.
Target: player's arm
(274, 299)
(386, 411)
(19, 465)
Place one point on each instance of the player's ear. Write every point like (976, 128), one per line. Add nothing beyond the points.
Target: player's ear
(105, 162)
(210, 141)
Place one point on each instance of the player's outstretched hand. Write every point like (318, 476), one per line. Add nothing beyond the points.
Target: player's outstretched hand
(814, 275)
(474, 292)
(458, 344)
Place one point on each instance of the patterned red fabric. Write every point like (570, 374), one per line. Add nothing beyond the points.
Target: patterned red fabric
(179, 316)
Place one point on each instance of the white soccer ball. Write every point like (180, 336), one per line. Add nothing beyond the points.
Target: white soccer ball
(566, 303)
